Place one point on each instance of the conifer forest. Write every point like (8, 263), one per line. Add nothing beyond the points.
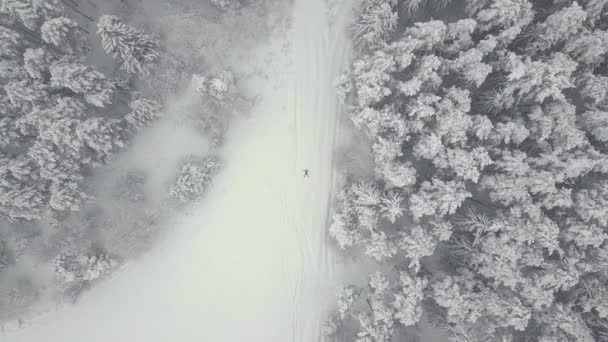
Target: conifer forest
(304, 170)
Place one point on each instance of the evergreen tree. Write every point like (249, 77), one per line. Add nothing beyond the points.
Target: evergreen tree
(26, 94)
(104, 137)
(84, 80)
(62, 33)
(194, 177)
(31, 13)
(135, 50)
(36, 63)
(11, 43)
(143, 112)
(67, 196)
(226, 5)
(376, 23)
(218, 89)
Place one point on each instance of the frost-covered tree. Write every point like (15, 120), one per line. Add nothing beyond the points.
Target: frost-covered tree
(5, 258)
(135, 50)
(391, 206)
(466, 165)
(10, 69)
(476, 315)
(596, 123)
(372, 78)
(11, 43)
(355, 223)
(537, 80)
(22, 202)
(590, 204)
(558, 27)
(387, 302)
(376, 23)
(143, 112)
(219, 89)
(417, 244)
(397, 174)
(560, 323)
(67, 196)
(26, 94)
(32, 13)
(588, 47)
(40, 119)
(21, 194)
(103, 136)
(54, 163)
(438, 198)
(469, 66)
(83, 267)
(63, 134)
(594, 9)
(510, 17)
(84, 80)
(36, 63)
(194, 177)
(62, 33)
(8, 132)
(226, 5)
(348, 295)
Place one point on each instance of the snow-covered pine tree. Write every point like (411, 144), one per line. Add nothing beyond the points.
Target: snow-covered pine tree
(5, 257)
(54, 162)
(219, 89)
(83, 267)
(103, 137)
(194, 177)
(11, 43)
(84, 80)
(67, 196)
(377, 21)
(22, 202)
(388, 302)
(226, 5)
(135, 50)
(143, 112)
(63, 33)
(36, 63)
(32, 13)
(558, 27)
(26, 94)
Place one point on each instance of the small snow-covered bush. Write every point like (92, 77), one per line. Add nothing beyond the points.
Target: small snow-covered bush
(194, 177)
(226, 5)
(219, 89)
(83, 267)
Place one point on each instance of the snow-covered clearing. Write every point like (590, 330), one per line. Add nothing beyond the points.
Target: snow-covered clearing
(252, 262)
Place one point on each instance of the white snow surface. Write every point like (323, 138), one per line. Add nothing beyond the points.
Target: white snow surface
(253, 261)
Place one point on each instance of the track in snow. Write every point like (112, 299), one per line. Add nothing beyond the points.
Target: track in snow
(252, 264)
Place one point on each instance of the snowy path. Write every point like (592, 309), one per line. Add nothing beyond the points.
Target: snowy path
(252, 264)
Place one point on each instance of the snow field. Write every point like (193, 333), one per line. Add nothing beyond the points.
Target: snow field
(253, 261)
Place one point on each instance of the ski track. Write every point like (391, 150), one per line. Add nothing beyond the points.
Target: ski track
(253, 262)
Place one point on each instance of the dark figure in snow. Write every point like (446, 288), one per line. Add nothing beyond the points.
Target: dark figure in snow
(306, 173)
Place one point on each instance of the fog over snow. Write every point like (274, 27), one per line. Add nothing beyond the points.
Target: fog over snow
(304, 170)
(251, 261)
